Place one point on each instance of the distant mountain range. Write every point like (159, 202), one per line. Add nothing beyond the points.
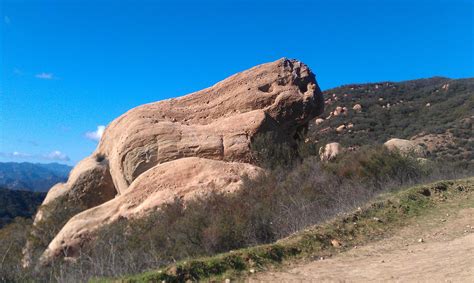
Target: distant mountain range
(35, 177)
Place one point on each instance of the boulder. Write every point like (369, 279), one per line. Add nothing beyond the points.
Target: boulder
(319, 121)
(330, 151)
(185, 146)
(338, 111)
(216, 123)
(340, 128)
(405, 147)
(89, 184)
(183, 178)
(357, 108)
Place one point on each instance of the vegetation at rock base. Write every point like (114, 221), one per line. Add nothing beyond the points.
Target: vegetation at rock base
(18, 204)
(13, 238)
(371, 222)
(55, 215)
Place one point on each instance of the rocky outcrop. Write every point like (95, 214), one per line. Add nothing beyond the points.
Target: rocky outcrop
(186, 146)
(89, 184)
(182, 178)
(215, 123)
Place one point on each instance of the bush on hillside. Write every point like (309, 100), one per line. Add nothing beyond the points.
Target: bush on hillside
(377, 165)
(55, 215)
(13, 238)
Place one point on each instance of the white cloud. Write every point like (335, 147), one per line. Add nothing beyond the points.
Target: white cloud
(7, 20)
(45, 76)
(19, 154)
(97, 134)
(56, 155)
(16, 154)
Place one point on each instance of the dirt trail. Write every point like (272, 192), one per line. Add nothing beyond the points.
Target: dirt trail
(434, 248)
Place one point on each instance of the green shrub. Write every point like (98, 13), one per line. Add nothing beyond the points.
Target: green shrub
(13, 238)
(271, 151)
(377, 165)
(55, 215)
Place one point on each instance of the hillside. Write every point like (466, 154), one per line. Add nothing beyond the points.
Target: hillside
(436, 112)
(15, 203)
(224, 169)
(32, 176)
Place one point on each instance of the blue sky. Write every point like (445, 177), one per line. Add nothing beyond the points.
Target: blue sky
(67, 67)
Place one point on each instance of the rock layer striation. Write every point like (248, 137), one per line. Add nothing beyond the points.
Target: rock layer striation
(185, 146)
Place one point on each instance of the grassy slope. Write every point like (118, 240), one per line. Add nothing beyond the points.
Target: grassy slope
(376, 220)
(451, 111)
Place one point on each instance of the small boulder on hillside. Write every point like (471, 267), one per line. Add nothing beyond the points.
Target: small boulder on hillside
(405, 147)
(357, 108)
(340, 128)
(330, 151)
(319, 121)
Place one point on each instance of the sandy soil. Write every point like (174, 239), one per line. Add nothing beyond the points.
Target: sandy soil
(437, 248)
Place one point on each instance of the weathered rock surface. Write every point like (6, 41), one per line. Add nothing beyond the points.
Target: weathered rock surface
(216, 123)
(185, 146)
(89, 184)
(182, 178)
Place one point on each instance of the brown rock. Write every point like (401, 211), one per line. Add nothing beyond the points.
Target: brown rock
(405, 147)
(357, 108)
(335, 243)
(330, 151)
(338, 111)
(185, 146)
(340, 128)
(89, 185)
(216, 123)
(319, 121)
(183, 178)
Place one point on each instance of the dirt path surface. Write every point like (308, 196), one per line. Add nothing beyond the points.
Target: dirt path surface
(434, 248)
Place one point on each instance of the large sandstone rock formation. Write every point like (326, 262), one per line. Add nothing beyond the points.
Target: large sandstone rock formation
(185, 146)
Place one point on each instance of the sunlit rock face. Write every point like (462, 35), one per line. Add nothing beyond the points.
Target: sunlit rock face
(189, 145)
